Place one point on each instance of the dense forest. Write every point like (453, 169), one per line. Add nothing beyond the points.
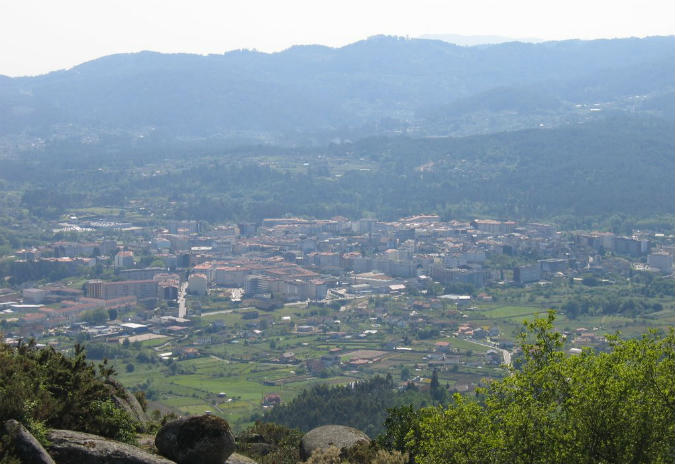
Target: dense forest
(595, 169)
(362, 405)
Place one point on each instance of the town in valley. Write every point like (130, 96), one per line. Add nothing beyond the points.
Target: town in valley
(237, 318)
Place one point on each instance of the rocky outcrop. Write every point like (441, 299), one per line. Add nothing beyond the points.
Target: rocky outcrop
(69, 447)
(340, 436)
(236, 458)
(24, 445)
(131, 406)
(196, 440)
(126, 401)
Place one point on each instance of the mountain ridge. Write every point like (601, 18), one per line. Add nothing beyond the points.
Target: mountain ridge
(317, 88)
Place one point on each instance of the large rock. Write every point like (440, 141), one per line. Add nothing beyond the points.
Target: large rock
(69, 447)
(24, 445)
(196, 440)
(340, 436)
(127, 401)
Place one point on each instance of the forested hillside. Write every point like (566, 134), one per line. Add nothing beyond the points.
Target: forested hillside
(376, 83)
(594, 169)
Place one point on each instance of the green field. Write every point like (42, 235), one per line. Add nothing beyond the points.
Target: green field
(507, 312)
(246, 366)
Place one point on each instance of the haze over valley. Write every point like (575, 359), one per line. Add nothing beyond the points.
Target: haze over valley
(417, 250)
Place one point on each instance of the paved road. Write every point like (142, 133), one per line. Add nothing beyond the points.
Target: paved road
(505, 353)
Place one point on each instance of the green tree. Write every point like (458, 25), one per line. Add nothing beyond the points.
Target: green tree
(402, 428)
(597, 407)
(405, 373)
(95, 316)
(437, 391)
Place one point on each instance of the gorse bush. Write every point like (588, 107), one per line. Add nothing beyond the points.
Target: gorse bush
(333, 455)
(285, 443)
(45, 388)
(386, 457)
(330, 455)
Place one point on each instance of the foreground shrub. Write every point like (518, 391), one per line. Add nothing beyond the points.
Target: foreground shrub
(285, 443)
(43, 387)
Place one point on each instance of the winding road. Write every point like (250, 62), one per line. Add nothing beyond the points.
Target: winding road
(505, 353)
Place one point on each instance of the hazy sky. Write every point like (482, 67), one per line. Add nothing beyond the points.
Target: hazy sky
(37, 36)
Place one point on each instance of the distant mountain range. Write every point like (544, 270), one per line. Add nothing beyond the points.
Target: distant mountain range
(382, 83)
(473, 40)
